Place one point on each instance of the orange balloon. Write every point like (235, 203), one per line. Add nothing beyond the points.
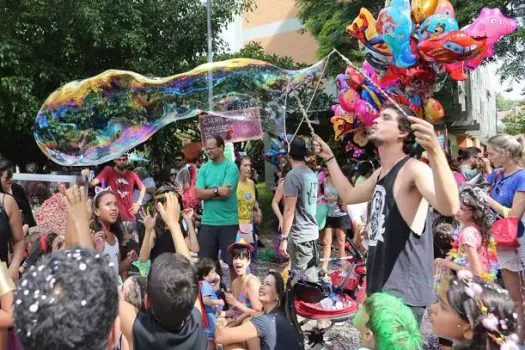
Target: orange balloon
(434, 111)
(422, 9)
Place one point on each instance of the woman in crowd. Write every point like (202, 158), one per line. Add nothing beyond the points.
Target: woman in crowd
(337, 221)
(245, 287)
(249, 211)
(475, 315)
(46, 244)
(268, 331)
(17, 191)
(278, 197)
(148, 182)
(506, 153)
(157, 237)
(107, 233)
(11, 233)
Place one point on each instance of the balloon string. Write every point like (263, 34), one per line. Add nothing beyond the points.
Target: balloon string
(305, 116)
(284, 118)
(363, 73)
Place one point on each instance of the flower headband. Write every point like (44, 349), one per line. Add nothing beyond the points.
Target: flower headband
(100, 189)
(496, 328)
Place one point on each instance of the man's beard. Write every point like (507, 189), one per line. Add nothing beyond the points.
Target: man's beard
(122, 167)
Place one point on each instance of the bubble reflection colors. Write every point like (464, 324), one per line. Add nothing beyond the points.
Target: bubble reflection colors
(92, 121)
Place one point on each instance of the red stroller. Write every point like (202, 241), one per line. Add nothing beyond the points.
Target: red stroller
(303, 299)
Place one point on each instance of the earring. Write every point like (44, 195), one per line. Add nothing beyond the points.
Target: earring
(459, 326)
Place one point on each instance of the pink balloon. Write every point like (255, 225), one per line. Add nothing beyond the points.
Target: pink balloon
(370, 72)
(348, 99)
(492, 24)
(365, 112)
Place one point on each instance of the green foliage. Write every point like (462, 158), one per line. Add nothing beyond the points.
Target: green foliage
(515, 125)
(47, 43)
(504, 104)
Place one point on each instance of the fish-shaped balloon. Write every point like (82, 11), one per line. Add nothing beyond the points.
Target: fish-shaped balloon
(397, 30)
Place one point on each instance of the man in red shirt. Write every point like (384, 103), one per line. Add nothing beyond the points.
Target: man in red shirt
(122, 182)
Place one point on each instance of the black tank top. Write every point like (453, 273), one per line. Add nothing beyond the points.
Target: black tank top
(399, 261)
(5, 232)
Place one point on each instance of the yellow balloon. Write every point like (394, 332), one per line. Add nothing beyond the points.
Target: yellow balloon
(422, 9)
(434, 111)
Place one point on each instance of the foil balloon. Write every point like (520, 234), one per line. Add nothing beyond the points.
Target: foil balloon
(434, 111)
(341, 82)
(444, 7)
(365, 112)
(343, 125)
(422, 9)
(370, 94)
(348, 99)
(456, 70)
(364, 28)
(95, 120)
(397, 30)
(370, 72)
(492, 24)
(436, 25)
(378, 61)
(451, 47)
(355, 78)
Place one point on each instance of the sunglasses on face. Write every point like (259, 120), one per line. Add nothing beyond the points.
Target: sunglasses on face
(178, 160)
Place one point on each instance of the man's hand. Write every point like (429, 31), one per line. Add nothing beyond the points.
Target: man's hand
(135, 208)
(283, 246)
(425, 134)
(225, 190)
(321, 148)
(170, 210)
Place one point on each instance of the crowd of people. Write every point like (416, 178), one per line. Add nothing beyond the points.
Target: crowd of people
(145, 264)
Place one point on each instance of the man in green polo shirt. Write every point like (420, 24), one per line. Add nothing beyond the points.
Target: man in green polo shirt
(217, 187)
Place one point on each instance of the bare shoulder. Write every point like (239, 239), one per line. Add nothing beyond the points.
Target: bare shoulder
(253, 281)
(417, 167)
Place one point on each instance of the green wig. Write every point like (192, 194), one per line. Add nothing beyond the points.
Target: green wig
(392, 322)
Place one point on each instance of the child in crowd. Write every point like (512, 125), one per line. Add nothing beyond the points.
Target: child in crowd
(134, 291)
(386, 323)
(474, 248)
(244, 297)
(475, 314)
(209, 284)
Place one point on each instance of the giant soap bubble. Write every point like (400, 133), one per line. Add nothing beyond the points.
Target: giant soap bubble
(92, 121)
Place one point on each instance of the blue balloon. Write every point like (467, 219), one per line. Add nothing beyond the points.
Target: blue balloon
(435, 25)
(397, 29)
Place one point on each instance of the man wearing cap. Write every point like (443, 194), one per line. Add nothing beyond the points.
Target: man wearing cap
(300, 233)
(216, 186)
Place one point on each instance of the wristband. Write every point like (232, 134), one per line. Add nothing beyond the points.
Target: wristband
(329, 159)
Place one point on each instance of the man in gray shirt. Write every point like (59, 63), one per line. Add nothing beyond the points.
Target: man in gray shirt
(300, 232)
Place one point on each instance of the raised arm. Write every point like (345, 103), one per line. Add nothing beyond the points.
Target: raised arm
(348, 193)
(170, 213)
(79, 215)
(436, 184)
(17, 235)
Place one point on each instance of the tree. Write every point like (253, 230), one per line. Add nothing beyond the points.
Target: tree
(327, 20)
(46, 43)
(515, 125)
(504, 104)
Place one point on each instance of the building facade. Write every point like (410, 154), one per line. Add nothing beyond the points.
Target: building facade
(275, 25)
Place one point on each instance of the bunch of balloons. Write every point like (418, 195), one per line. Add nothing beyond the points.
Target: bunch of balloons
(278, 149)
(409, 50)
